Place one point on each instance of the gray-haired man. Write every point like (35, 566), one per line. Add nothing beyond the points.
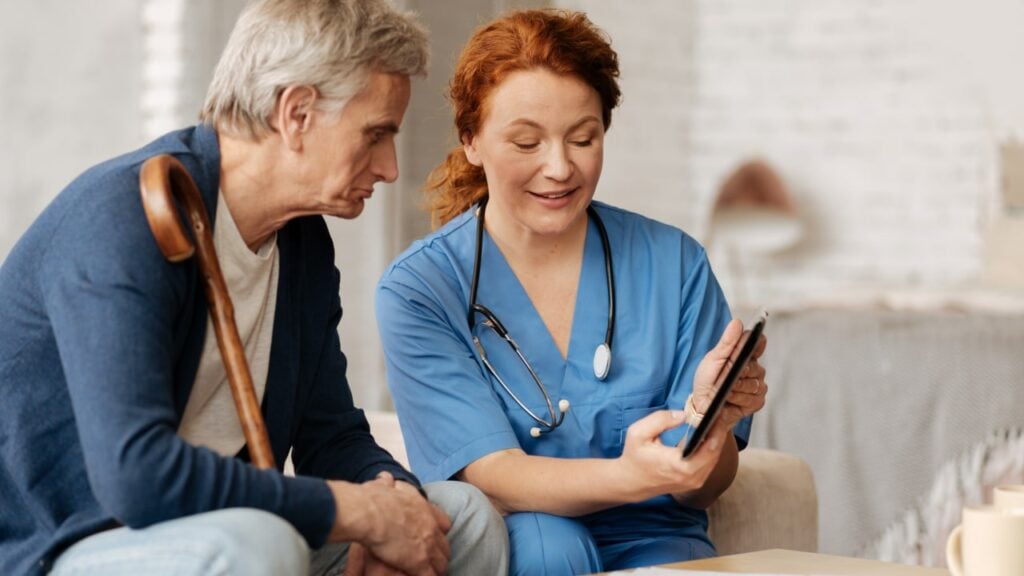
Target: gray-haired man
(119, 448)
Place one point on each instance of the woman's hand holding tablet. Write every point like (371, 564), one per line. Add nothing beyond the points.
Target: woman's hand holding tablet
(730, 373)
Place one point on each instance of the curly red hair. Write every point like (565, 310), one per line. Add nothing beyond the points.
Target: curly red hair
(563, 42)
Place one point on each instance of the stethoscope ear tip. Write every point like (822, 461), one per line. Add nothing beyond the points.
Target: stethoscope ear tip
(535, 432)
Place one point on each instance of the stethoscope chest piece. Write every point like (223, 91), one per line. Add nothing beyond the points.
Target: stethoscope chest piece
(602, 361)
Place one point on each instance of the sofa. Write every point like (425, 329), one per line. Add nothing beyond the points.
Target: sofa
(906, 411)
(771, 504)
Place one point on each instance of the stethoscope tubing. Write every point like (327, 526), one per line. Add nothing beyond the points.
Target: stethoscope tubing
(491, 320)
(609, 274)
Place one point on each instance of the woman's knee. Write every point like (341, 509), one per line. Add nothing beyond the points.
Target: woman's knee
(546, 544)
(651, 551)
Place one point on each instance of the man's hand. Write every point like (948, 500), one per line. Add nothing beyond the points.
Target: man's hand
(394, 523)
(362, 563)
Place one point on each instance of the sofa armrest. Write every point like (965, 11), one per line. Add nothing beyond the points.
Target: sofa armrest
(772, 503)
(388, 434)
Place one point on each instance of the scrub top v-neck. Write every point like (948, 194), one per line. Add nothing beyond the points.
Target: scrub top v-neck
(670, 312)
(500, 290)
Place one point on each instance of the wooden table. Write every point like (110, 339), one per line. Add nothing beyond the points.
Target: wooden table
(791, 562)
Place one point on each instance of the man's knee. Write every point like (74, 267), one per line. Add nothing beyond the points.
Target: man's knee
(251, 541)
(478, 536)
(231, 541)
(467, 507)
(546, 544)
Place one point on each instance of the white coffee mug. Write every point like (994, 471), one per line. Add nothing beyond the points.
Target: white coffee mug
(988, 542)
(1008, 496)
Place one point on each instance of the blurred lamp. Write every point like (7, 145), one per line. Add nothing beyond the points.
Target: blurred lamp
(754, 211)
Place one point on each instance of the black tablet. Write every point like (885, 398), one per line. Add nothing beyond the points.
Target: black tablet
(726, 378)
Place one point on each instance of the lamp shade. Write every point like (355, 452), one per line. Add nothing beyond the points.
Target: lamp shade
(754, 211)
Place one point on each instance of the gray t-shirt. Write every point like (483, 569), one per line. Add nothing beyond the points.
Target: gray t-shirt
(210, 417)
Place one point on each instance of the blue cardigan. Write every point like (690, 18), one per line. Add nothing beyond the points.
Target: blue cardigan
(100, 339)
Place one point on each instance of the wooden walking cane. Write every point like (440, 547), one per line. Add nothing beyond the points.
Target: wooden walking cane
(161, 179)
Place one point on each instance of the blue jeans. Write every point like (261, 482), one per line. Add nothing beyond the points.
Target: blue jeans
(256, 543)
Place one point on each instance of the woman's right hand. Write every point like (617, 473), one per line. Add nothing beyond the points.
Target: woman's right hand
(654, 468)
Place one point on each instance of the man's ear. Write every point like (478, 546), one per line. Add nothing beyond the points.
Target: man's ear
(469, 147)
(293, 114)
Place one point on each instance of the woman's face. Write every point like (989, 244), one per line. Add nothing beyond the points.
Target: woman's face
(541, 148)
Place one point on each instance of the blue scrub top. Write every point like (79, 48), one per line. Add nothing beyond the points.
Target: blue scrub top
(670, 312)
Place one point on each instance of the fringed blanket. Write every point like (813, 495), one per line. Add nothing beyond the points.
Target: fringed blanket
(919, 537)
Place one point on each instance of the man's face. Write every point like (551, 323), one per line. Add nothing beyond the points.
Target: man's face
(346, 154)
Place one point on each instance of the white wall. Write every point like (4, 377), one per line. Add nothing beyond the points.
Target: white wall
(885, 118)
(69, 97)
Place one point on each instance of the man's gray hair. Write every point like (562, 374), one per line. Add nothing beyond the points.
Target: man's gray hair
(330, 45)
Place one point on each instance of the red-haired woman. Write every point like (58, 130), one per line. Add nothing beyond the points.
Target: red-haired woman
(542, 345)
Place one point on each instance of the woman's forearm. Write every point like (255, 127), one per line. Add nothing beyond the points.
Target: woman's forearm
(518, 482)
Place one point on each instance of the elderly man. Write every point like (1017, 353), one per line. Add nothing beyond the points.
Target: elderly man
(120, 451)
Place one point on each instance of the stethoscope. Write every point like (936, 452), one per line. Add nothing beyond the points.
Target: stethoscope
(602, 355)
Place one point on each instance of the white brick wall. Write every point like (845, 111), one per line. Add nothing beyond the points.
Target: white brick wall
(886, 134)
(883, 116)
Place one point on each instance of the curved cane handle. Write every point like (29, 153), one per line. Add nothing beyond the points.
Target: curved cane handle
(161, 179)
